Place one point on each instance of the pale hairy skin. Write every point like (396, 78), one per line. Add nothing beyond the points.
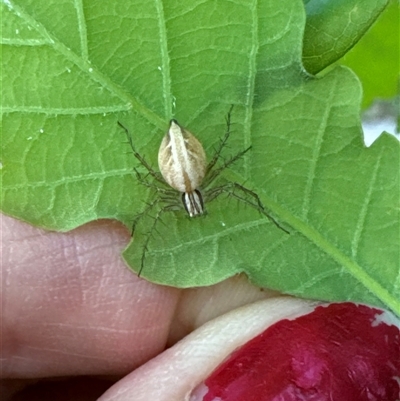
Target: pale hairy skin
(70, 306)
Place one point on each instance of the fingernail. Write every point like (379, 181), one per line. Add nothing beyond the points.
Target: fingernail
(338, 352)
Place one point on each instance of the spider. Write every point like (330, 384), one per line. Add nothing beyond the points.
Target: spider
(183, 169)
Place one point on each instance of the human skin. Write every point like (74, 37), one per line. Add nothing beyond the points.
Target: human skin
(71, 307)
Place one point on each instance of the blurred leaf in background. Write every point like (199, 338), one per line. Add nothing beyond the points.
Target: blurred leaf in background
(376, 57)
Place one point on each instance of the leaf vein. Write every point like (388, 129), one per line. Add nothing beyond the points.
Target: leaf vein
(252, 67)
(68, 180)
(82, 29)
(319, 139)
(67, 111)
(165, 61)
(364, 209)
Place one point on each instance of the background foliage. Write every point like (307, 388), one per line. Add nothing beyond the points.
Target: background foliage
(376, 57)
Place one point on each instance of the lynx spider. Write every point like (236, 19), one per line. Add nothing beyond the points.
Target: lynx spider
(188, 174)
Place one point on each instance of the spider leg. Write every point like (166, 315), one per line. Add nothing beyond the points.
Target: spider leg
(222, 142)
(156, 219)
(145, 211)
(139, 157)
(215, 173)
(244, 195)
(144, 181)
(167, 197)
(211, 174)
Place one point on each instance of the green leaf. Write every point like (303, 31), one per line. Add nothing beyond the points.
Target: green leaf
(70, 74)
(334, 27)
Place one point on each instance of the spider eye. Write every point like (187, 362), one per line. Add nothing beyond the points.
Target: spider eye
(193, 203)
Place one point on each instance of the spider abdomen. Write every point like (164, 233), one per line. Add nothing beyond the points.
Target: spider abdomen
(181, 159)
